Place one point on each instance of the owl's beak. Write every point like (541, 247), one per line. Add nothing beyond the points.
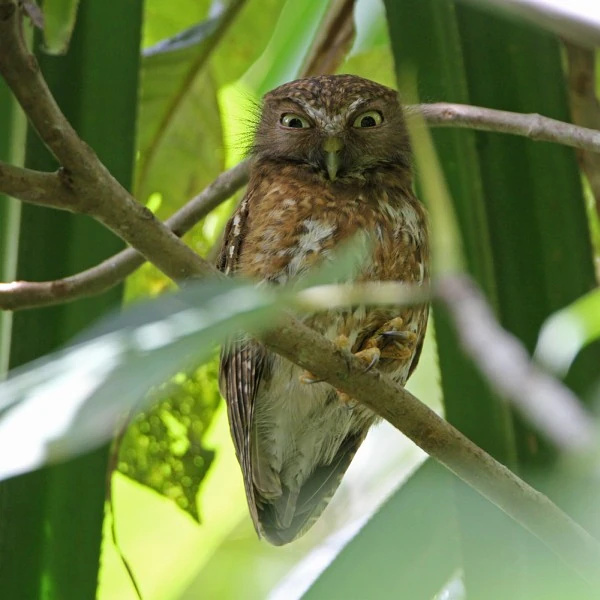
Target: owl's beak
(333, 158)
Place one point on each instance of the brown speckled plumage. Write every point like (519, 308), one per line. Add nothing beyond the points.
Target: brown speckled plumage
(332, 160)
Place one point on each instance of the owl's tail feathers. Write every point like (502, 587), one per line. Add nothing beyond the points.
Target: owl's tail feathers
(286, 518)
(284, 508)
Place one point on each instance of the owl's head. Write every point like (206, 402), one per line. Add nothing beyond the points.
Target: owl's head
(341, 126)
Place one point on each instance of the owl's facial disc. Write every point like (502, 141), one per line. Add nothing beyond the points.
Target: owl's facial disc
(333, 158)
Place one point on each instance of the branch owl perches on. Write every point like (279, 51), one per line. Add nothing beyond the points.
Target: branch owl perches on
(331, 159)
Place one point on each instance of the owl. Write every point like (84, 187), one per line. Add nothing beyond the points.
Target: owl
(331, 160)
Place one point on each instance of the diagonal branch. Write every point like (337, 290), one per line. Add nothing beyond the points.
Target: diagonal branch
(505, 363)
(534, 511)
(20, 295)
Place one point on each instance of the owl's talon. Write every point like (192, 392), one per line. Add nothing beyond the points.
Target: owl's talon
(370, 356)
(307, 377)
(400, 336)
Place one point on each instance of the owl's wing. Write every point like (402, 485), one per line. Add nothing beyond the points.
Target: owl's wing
(242, 365)
(242, 362)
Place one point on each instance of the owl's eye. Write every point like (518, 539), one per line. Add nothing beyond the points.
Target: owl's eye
(371, 118)
(294, 121)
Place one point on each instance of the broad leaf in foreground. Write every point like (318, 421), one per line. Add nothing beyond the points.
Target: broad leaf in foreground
(71, 400)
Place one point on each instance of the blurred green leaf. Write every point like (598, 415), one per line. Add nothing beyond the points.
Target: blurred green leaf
(284, 55)
(179, 134)
(59, 21)
(410, 544)
(163, 20)
(82, 391)
(12, 144)
(164, 447)
(245, 39)
(71, 401)
(567, 331)
(52, 519)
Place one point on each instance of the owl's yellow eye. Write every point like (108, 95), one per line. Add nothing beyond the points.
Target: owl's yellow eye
(294, 121)
(371, 118)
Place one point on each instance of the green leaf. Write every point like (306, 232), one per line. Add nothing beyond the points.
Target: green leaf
(71, 401)
(246, 39)
(50, 542)
(410, 544)
(179, 127)
(59, 21)
(12, 121)
(567, 331)
(163, 20)
(284, 55)
(164, 448)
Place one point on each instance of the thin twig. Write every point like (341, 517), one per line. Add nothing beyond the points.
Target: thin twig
(533, 126)
(20, 295)
(344, 295)
(45, 189)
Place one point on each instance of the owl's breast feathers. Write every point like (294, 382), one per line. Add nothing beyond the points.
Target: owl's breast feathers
(289, 220)
(294, 441)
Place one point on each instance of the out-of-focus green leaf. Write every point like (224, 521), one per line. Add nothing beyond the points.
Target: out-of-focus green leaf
(371, 55)
(83, 390)
(59, 21)
(245, 40)
(409, 549)
(163, 20)
(371, 26)
(71, 401)
(521, 218)
(52, 519)
(283, 57)
(164, 447)
(567, 331)
(178, 161)
(179, 135)
(12, 121)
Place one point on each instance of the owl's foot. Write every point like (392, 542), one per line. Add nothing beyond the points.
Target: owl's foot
(392, 340)
(343, 343)
(308, 377)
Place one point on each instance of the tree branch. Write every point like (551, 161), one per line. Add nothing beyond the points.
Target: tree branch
(505, 363)
(45, 189)
(533, 126)
(20, 295)
(534, 511)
